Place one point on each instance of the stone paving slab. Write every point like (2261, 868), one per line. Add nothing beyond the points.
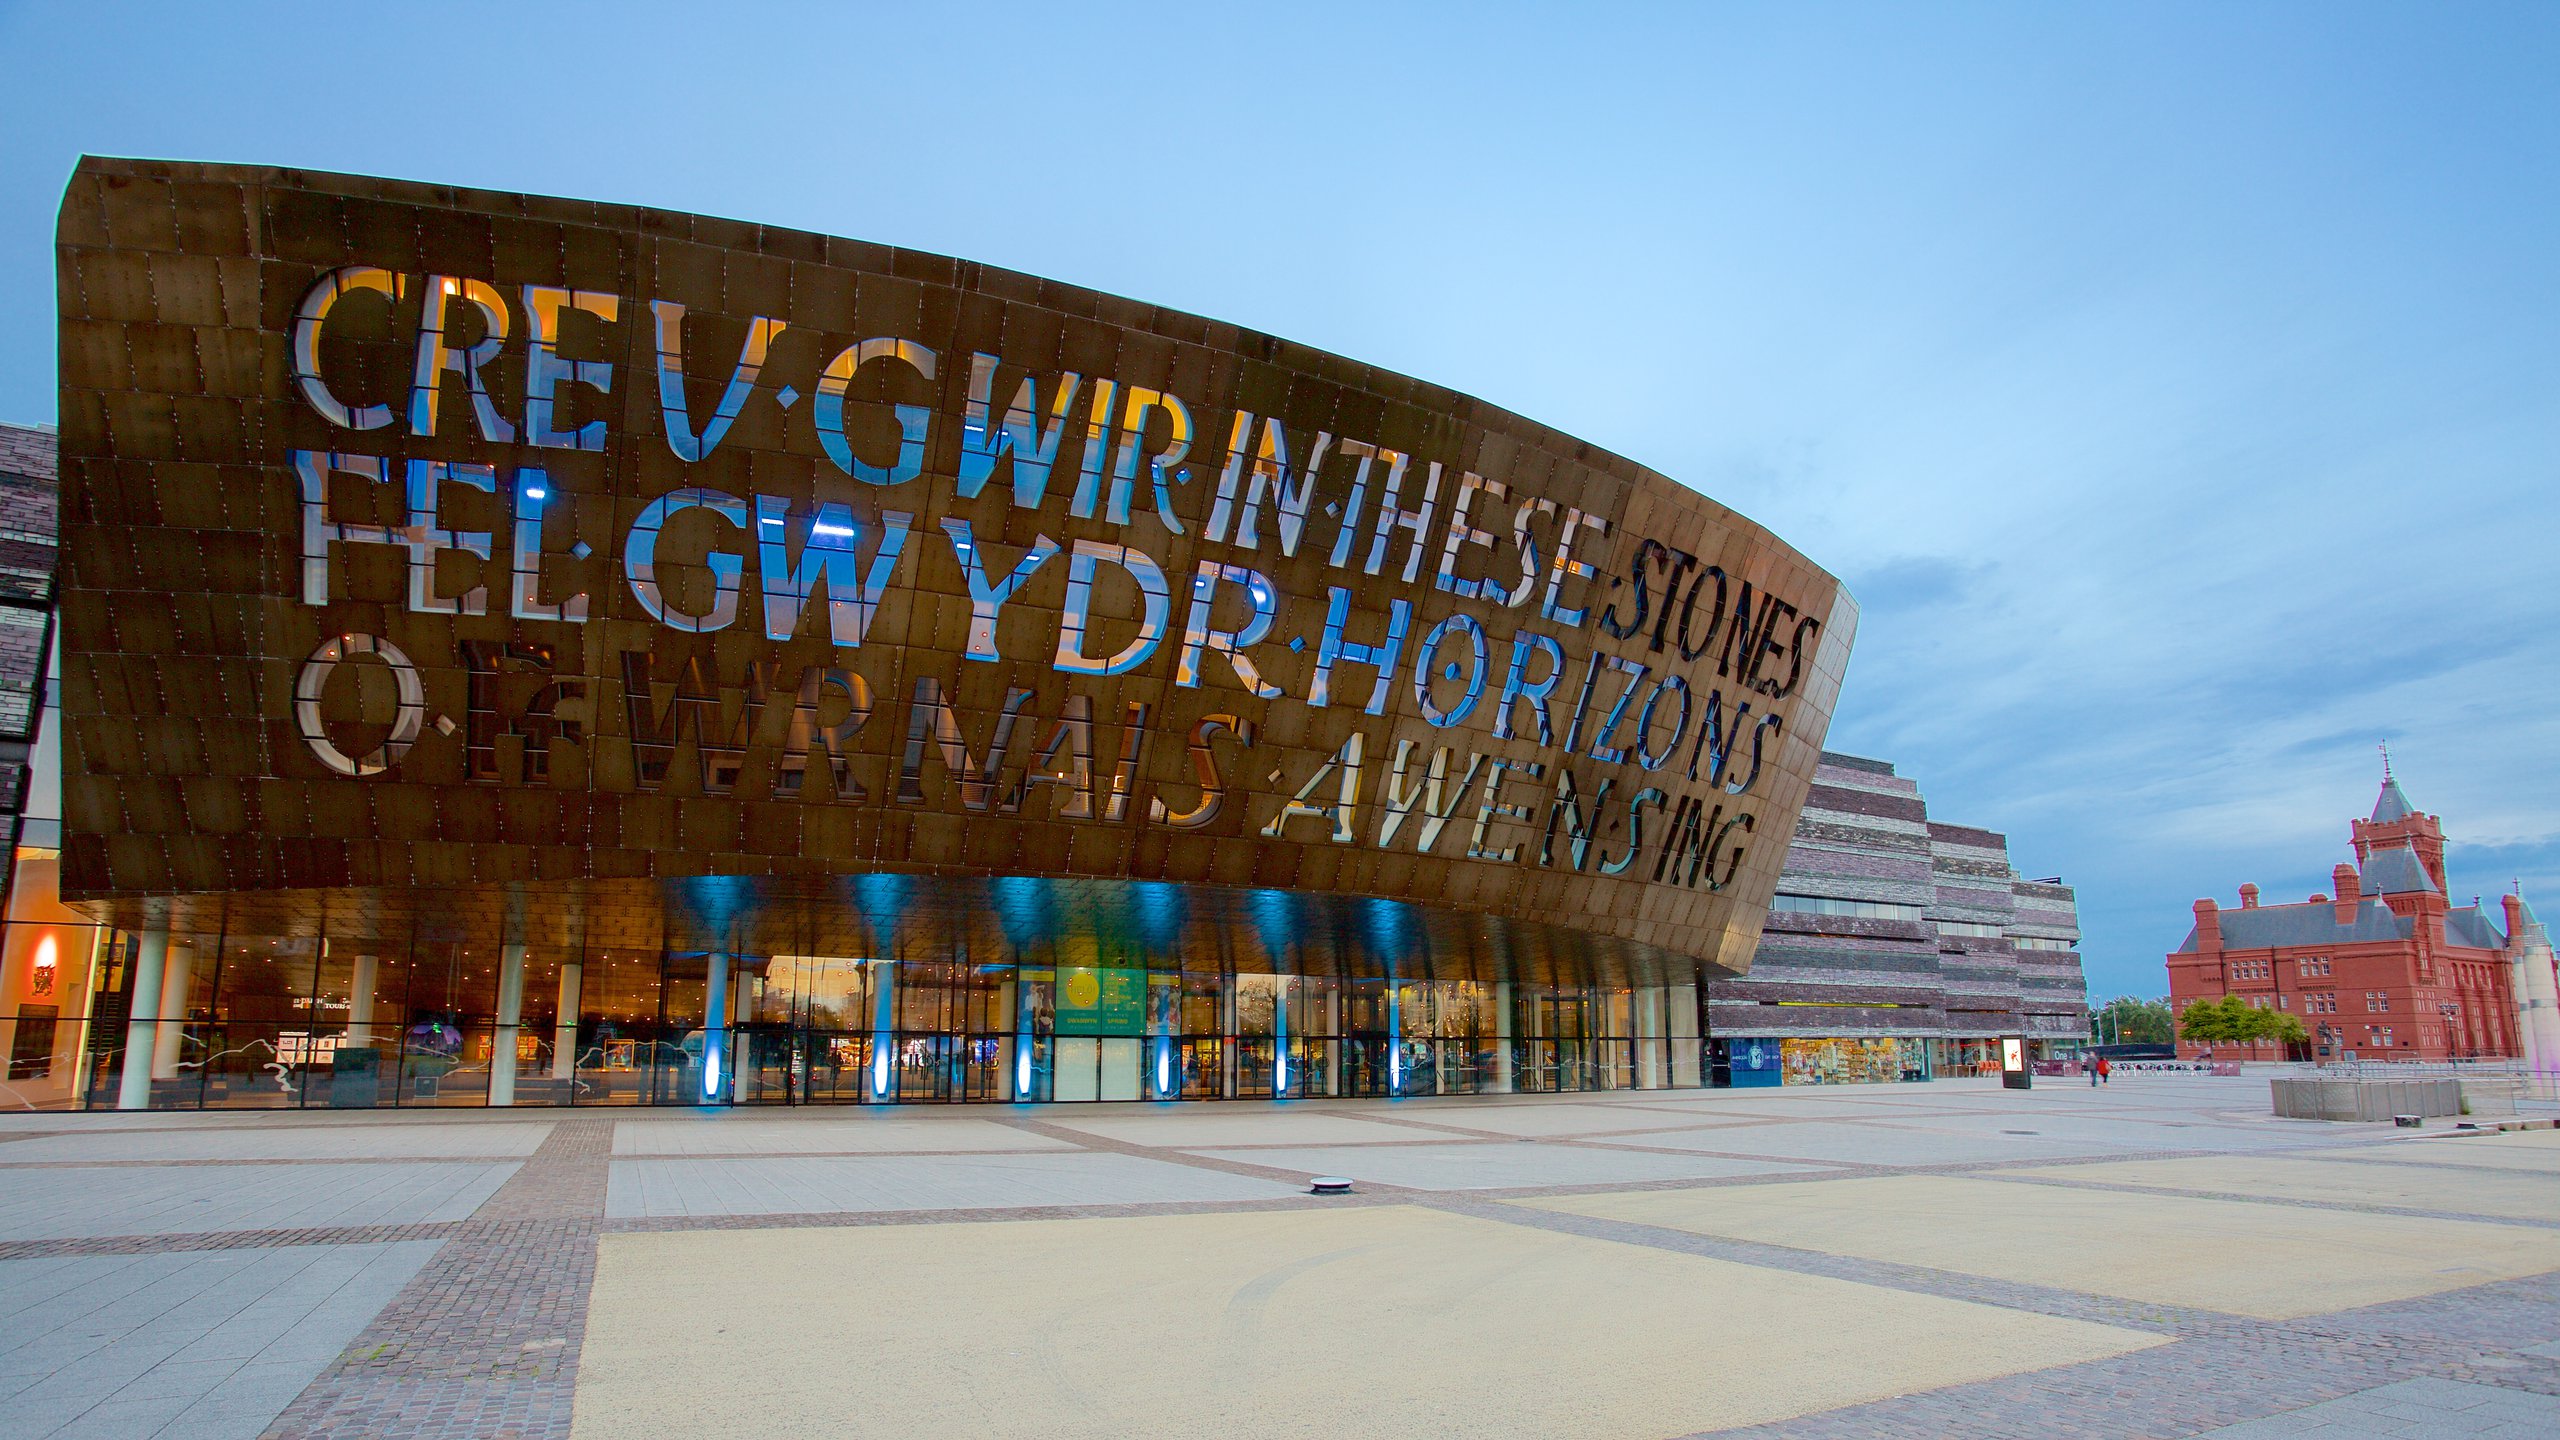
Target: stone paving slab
(206, 1345)
(2335, 1178)
(786, 1185)
(336, 1142)
(729, 1133)
(1380, 1320)
(1902, 1143)
(1204, 1127)
(1499, 1164)
(2535, 1151)
(47, 1202)
(2269, 1261)
(2417, 1409)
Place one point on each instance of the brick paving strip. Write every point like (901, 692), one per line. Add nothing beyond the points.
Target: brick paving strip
(484, 1341)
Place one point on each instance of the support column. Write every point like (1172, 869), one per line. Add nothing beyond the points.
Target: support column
(502, 1040)
(176, 977)
(1227, 1035)
(564, 1021)
(1280, 1076)
(133, 1084)
(1020, 1054)
(744, 1078)
(1649, 1037)
(1687, 1070)
(1333, 1047)
(360, 1002)
(884, 1033)
(715, 1029)
(1503, 1080)
(1395, 1040)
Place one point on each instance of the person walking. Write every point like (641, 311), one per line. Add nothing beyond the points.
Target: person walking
(2094, 1062)
(2105, 1071)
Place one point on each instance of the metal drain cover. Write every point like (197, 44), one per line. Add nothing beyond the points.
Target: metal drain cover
(1328, 1185)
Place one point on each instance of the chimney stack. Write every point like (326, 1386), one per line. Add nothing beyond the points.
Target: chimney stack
(2350, 892)
(2515, 919)
(2248, 897)
(2208, 927)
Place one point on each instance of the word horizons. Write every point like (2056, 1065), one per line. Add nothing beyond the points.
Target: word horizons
(841, 557)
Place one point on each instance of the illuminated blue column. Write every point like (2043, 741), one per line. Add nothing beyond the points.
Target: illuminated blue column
(884, 1020)
(1018, 1069)
(1279, 1036)
(715, 1027)
(1163, 999)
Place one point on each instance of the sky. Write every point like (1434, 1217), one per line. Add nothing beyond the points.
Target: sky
(2177, 387)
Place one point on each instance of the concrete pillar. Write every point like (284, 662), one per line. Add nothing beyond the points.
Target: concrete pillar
(1649, 1037)
(502, 1040)
(1503, 1080)
(1687, 1070)
(368, 970)
(745, 1078)
(564, 1021)
(1227, 1035)
(715, 1031)
(1333, 1047)
(133, 1084)
(176, 976)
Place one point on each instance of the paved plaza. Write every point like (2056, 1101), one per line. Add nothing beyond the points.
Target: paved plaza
(2160, 1258)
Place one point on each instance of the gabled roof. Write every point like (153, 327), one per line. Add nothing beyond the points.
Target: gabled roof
(2471, 927)
(2282, 926)
(2396, 871)
(2391, 804)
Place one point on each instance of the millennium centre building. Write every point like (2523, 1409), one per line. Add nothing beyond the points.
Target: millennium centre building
(526, 651)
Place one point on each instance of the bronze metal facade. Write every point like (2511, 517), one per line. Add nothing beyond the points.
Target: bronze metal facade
(507, 567)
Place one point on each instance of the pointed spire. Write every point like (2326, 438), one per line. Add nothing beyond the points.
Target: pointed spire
(2391, 804)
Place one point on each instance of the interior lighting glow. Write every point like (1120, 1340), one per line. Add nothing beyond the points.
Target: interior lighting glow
(1164, 1067)
(1022, 1070)
(879, 1070)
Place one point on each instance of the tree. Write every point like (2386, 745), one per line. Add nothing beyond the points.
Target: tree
(2283, 1027)
(2126, 1020)
(2219, 1022)
(2232, 1020)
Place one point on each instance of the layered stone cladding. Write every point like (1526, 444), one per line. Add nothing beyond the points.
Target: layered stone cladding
(1869, 932)
(30, 503)
(2384, 966)
(2044, 929)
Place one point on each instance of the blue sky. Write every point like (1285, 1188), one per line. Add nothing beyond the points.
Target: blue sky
(2178, 386)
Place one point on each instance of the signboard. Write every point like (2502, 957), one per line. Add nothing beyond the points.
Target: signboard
(1101, 1001)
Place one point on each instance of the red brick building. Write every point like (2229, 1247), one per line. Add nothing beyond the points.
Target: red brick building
(2385, 967)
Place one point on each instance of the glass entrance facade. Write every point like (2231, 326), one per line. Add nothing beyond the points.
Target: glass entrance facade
(285, 1023)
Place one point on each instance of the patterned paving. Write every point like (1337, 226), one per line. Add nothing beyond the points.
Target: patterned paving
(1760, 1264)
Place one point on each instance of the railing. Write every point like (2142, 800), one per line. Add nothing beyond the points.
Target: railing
(2507, 1074)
